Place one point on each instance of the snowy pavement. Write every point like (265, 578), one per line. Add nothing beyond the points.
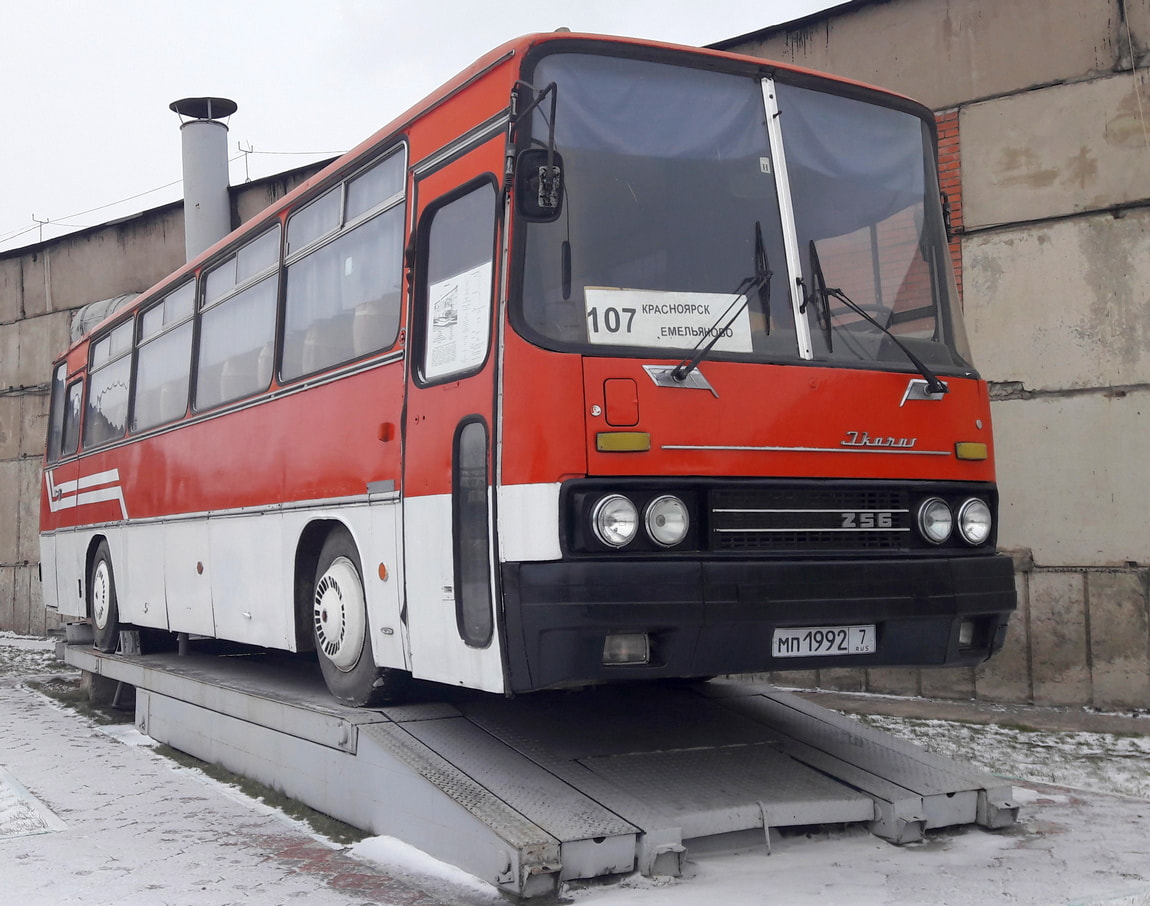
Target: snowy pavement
(129, 826)
(92, 815)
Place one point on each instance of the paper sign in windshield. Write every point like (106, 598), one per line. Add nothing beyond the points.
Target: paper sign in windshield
(666, 320)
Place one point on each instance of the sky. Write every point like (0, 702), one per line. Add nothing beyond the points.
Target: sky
(88, 136)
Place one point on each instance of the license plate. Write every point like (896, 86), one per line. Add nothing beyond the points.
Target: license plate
(824, 641)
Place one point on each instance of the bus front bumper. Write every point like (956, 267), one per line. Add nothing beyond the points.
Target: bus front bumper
(706, 618)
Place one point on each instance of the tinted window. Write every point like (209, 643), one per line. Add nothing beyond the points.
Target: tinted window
(110, 375)
(163, 360)
(56, 412)
(343, 299)
(71, 438)
(315, 221)
(236, 339)
(373, 187)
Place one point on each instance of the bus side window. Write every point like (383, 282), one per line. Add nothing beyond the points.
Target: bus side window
(236, 338)
(163, 360)
(343, 299)
(473, 611)
(343, 288)
(108, 379)
(70, 436)
(64, 417)
(56, 413)
(237, 323)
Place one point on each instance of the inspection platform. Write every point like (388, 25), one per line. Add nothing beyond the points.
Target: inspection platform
(554, 786)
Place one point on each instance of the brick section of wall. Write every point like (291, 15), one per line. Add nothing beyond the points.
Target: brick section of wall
(950, 182)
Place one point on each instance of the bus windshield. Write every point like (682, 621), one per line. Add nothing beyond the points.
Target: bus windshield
(676, 222)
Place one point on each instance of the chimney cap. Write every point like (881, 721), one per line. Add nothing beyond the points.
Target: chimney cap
(204, 108)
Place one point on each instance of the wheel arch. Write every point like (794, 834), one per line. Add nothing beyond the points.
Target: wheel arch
(307, 553)
(89, 560)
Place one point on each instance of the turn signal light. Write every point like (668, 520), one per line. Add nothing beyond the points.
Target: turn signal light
(970, 450)
(622, 441)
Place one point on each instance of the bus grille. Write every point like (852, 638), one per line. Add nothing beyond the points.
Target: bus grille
(809, 519)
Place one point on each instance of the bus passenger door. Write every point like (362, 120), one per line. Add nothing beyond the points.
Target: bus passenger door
(449, 552)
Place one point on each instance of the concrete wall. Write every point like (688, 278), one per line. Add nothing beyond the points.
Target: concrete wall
(950, 52)
(41, 286)
(1053, 105)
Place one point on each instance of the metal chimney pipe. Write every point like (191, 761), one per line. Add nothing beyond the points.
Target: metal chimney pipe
(204, 140)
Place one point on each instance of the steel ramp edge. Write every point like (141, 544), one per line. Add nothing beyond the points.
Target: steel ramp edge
(368, 769)
(593, 841)
(995, 805)
(647, 760)
(222, 685)
(659, 848)
(878, 763)
(373, 790)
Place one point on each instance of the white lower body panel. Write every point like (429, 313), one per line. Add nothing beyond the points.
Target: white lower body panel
(438, 652)
(232, 576)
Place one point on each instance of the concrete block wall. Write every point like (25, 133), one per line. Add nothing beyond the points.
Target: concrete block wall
(41, 287)
(1046, 105)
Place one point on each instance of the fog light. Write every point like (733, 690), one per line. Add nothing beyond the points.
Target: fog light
(627, 648)
(966, 634)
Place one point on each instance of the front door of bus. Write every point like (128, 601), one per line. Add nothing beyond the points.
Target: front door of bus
(447, 484)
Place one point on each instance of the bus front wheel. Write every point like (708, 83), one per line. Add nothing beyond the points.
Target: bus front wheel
(340, 629)
(102, 601)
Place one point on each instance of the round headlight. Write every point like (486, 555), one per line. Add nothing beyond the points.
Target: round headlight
(615, 520)
(934, 520)
(667, 520)
(974, 521)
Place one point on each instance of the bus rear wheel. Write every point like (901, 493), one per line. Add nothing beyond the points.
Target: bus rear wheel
(340, 629)
(102, 605)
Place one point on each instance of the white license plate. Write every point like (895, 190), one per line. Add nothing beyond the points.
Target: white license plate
(824, 641)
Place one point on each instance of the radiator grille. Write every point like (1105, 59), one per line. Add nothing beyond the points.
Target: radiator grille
(809, 519)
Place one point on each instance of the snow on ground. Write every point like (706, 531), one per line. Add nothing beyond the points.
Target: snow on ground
(1103, 762)
(22, 655)
(1083, 838)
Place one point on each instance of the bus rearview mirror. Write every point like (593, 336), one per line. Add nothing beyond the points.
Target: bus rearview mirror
(539, 185)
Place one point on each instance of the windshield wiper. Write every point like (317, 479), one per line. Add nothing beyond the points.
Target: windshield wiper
(760, 283)
(822, 296)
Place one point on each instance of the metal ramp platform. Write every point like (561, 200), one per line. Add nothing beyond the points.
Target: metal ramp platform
(553, 786)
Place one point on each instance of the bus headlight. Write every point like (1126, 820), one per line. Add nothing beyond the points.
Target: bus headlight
(974, 521)
(667, 520)
(615, 520)
(934, 520)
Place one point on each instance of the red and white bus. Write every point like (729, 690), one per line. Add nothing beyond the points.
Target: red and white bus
(611, 360)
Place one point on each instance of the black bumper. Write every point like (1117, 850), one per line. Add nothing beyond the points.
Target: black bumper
(714, 617)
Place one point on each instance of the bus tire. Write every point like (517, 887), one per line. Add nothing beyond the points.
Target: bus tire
(102, 606)
(340, 629)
